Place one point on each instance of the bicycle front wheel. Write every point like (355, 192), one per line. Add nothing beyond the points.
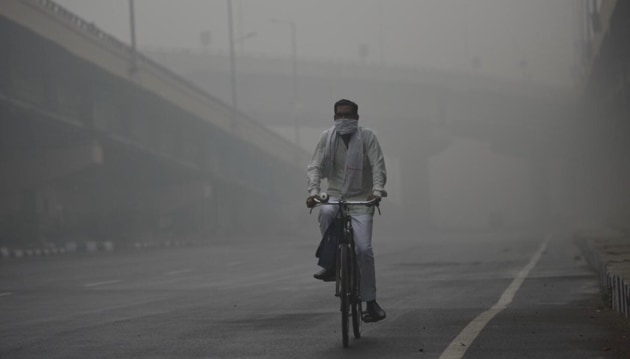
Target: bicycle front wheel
(356, 319)
(355, 290)
(344, 292)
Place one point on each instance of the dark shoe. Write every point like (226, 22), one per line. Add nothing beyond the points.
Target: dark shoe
(373, 312)
(327, 275)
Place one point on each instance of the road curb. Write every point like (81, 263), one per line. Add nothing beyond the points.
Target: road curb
(89, 247)
(609, 254)
(31, 252)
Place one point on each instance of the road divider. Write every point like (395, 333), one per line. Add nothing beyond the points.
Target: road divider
(608, 252)
(89, 247)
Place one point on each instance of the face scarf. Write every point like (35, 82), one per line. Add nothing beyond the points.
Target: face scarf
(353, 180)
(346, 126)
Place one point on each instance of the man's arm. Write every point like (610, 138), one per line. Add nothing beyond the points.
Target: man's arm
(314, 168)
(377, 161)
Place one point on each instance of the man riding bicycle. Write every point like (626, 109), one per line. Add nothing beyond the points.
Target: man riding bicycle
(350, 158)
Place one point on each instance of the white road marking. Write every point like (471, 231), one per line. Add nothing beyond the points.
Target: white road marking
(5, 294)
(180, 271)
(462, 342)
(96, 284)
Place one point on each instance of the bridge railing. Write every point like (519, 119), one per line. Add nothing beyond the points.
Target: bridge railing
(88, 27)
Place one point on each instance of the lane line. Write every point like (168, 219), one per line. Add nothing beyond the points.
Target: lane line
(5, 294)
(96, 284)
(457, 348)
(180, 271)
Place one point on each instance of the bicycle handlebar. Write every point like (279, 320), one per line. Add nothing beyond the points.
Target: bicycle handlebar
(373, 202)
(324, 201)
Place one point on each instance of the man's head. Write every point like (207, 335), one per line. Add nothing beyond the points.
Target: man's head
(346, 109)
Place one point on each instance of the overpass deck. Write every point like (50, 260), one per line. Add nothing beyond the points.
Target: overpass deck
(97, 141)
(86, 41)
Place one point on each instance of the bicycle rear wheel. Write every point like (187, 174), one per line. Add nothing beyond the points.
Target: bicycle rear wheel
(344, 292)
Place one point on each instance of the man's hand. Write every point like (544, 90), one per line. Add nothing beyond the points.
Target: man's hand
(311, 201)
(376, 199)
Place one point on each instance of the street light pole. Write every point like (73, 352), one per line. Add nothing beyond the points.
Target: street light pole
(380, 34)
(295, 96)
(232, 59)
(295, 84)
(132, 30)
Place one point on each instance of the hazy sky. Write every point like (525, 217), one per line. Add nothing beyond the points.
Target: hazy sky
(509, 37)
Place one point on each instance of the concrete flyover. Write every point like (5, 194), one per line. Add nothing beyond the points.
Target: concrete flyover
(98, 143)
(418, 114)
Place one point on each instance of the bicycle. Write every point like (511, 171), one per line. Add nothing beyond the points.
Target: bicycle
(348, 274)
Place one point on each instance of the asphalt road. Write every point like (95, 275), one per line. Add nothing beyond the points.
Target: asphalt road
(472, 295)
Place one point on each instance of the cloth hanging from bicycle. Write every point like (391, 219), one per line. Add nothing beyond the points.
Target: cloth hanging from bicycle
(327, 249)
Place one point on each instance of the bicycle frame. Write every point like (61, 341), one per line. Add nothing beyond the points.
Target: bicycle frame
(348, 276)
(345, 239)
